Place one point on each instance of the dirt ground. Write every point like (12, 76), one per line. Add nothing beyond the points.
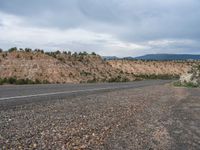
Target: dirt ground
(154, 117)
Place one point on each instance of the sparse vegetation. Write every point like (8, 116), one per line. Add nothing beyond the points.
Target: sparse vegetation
(85, 73)
(93, 53)
(39, 51)
(13, 49)
(69, 53)
(94, 80)
(18, 56)
(190, 79)
(57, 52)
(21, 49)
(28, 50)
(155, 76)
(186, 84)
(65, 66)
(52, 54)
(14, 80)
(4, 55)
(119, 79)
(61, 59)
(83, 53)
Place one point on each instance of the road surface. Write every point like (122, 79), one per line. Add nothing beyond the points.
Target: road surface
(13, 95)
(140, 115)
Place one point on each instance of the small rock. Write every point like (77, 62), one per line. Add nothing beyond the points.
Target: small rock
(34, 145)
(83, 146)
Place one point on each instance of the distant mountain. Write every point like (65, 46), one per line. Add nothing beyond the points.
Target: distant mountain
(110, 57)
(168, 57)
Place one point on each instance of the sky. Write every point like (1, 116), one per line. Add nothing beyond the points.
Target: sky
(108, 27)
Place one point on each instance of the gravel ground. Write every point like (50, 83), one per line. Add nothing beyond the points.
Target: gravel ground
(154, 117)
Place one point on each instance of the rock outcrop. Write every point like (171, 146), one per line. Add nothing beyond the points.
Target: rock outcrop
(192, 76)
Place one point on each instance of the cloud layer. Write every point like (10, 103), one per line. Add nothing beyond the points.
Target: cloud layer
(115, 27)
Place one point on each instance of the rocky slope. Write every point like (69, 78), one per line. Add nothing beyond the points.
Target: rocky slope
(192, 77)
(59, 68)
(76, 68)
(152, 67)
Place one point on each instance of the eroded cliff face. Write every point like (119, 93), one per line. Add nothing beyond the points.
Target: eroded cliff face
(65, 68)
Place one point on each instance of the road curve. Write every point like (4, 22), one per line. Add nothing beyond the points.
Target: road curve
(12, 95)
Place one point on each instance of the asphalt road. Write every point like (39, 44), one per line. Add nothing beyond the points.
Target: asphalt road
(14, 95)
(139, 115)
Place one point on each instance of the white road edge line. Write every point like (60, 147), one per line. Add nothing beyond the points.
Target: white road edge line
(64, 92)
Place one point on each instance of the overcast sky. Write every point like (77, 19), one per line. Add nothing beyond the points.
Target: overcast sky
(108, 27)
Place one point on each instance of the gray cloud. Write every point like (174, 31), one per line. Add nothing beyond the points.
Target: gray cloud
(126, 21)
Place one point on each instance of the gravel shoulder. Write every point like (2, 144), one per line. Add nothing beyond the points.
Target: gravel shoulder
(154, 117)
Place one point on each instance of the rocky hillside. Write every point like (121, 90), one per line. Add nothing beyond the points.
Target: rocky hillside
(191, 78)
(76, 68)
(139, 67)
(58, 68)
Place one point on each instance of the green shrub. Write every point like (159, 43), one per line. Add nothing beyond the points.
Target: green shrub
(37, 81)
(84, 73)
(52, 54)
(94, 80)
(1, 81)
(83, 53)
(61, 59)
(12, 49)
(4, 55)
(14, 80)
(186, 84)
(18, 56)
(45, 82)
(21, 49)
(39, 51)
(159, 76)
(21, 81)
(93, 53)
(69, 53)
(28, 50)
(177, 83)
(118, 79)
(190, 84)
(57, 52)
